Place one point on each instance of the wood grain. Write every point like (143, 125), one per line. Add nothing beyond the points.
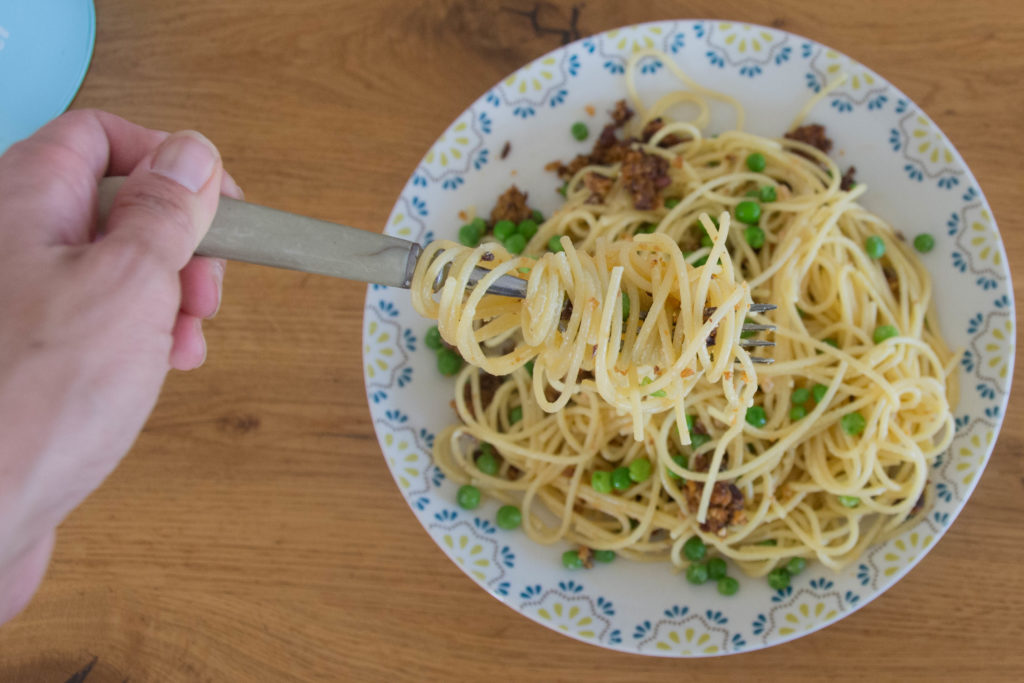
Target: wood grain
(254, 533)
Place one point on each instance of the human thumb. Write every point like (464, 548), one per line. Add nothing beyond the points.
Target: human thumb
(166, 204)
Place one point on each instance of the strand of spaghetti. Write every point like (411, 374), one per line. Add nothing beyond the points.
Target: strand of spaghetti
(635, 58)
(818, 97)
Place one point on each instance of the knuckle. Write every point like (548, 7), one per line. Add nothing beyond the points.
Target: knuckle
(80, 117)
(53, 171)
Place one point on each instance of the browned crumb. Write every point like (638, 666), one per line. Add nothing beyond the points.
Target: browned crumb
(644, 176)
(598, 185)
(846, 183)
(812, 134)
(511, 206)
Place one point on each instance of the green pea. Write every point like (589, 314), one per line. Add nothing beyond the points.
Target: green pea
(515, 244)
(469, 235)
(579, 131)
(818, 391)
(509, 517)
(537, 216)
(728, 585)
(756, 162)
(515, 415)
(717, 568)
(875, 247)
(605, 556)
(852, 423)
(754, 236)
(797, 413)
(564, 189)
(527, 228)
(601, 481)
(432, 338)
(694, 549)
(849, 501)
(620, 479)
(480, 223)
(697, 573)
(749, 333)
(706, 241)
(672, 202)
(555, 244)
(924, 243)
(640, 470)
(682, 462)
(448, 362)
(468, 497)
(767, 193)
(690, 420)
(625, 306)
(748, 212)
(756, 416)
(698, 439)
(831, 342)
(571, 560)
(646, 228)
(504, 229)
(778, 578)
(768, 541)
(800, 395)
(487, 462)
(883, 332)
(796, 565)
(701, 261)
(529, 367)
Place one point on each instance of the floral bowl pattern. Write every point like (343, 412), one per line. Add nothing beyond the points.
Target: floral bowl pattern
(916, 180)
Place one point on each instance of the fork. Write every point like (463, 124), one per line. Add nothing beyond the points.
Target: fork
(247, 232)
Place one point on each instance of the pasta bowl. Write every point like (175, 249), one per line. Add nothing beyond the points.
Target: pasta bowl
(917, 181)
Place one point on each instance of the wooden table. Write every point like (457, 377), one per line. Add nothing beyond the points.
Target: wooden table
(254, 532)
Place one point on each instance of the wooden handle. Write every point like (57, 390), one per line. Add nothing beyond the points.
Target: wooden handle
(257, 234)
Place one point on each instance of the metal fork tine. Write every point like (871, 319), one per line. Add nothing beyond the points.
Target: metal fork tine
(506, 285)
(754, 308)
(509, 285)
(756, 342)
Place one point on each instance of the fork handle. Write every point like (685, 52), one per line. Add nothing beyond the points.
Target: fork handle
(257, 234)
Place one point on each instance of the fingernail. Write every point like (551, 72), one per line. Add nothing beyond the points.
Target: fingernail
(187, 158)
(202, 340)
(230, 188)
(218, 279)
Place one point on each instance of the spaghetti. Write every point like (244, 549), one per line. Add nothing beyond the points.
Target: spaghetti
(816, 456)
(642, 365)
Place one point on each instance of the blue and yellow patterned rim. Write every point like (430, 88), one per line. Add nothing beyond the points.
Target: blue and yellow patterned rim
(916, 180)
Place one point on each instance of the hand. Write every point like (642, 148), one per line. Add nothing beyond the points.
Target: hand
(90, 325)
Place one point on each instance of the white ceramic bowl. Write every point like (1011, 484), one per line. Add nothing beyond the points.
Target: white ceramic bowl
(916, 180)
